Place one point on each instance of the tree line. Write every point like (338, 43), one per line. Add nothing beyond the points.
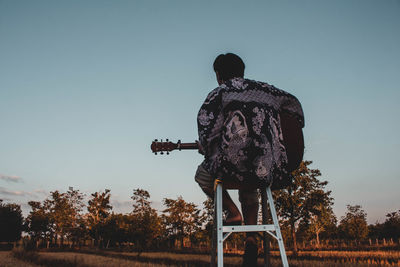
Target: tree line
(304, 209)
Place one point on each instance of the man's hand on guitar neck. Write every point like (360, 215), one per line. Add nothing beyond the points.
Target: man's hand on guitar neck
(201, 151)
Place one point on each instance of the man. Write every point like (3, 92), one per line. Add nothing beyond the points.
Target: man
(249, 132)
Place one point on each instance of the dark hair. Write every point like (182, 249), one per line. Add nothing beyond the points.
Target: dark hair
(229, 66)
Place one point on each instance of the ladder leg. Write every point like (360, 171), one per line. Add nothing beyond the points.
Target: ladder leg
(220, 241)
(264, 207)
(277, 228)
(214, 233)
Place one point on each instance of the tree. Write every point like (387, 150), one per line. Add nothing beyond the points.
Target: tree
(181, 218)
(353, 225)
(77, 228)
(64, 213)
(141, 201)
(11, 222)
(208, 215)
(322, 221)
(146, 224)
(388, 229)
(37, 222)
(299, 202)
(116, 228)
(98, 211)
(204, 233)
(375, 231)
(391, 227)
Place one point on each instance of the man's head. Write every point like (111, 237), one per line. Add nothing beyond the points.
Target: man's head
(228, 66)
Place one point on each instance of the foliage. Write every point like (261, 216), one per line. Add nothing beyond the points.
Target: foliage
(391, 227)
(181, 218)
(77, 227)
(11, 222)
(388, 229)
(322, 221)
(208, 219)
(64, 212)
(302, 200)
(208, 211)
(37, 223)
(98, 211)
(145, 222)
(354, 224)
(116, 229)
(305, 211)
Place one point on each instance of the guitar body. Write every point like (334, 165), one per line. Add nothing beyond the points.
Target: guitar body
(293, 140)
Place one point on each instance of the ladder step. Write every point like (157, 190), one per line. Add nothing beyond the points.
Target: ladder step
(249, 228)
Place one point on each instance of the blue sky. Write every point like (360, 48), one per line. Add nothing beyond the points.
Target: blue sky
(85, 86)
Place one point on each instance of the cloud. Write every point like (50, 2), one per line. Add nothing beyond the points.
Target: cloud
(120, 204)
(41, 192)
(5, 191)
(10, 178)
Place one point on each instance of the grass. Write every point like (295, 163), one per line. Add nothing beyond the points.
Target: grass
(381, 258)
(73, 259)
(8, 260)
(92, 258)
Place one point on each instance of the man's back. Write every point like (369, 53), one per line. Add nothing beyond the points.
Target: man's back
(240, 130)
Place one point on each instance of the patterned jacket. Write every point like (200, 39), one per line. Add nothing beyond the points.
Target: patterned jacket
(240, 131)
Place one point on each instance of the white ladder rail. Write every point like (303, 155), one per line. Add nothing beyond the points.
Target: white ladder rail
(271, 229)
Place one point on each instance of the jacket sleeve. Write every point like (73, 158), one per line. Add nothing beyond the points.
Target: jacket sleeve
(210, 123)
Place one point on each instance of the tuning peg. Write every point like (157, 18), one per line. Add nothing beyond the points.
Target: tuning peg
(155, 140)
(167, 152)
(179, 145)
(162, 153)
(166, 140)
(155, 153)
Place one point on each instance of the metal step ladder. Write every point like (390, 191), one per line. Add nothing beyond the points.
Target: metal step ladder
(220, 232)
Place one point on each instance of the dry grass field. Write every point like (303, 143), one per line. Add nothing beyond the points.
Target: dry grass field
(371, 258)
(80, 259)
(8, 260)
(68, 259)
(305, 259)
(122, 259)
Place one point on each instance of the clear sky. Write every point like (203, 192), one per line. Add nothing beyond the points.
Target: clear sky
(85, 86)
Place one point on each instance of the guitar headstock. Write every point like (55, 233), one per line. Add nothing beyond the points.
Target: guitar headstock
(162, 147)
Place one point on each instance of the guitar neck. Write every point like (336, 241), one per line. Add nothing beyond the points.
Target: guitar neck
(169, 146)
(187, 146)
